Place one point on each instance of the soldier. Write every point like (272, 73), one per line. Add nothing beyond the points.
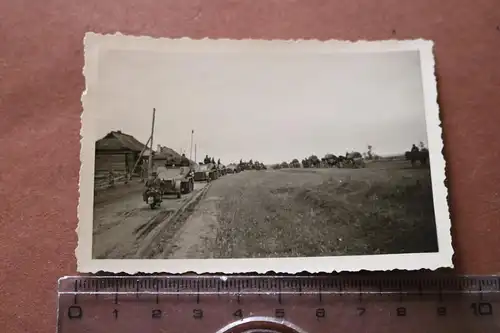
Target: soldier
(184, 160)
(213, 160)
(218, 161)
(144, 170)
(206, 160)
(154, 182)
(414, 148)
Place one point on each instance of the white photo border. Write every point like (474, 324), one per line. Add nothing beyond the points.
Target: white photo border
(95, 43)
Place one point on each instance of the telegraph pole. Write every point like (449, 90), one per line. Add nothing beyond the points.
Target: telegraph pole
(191, 148)
(150, 161)
(195, 153)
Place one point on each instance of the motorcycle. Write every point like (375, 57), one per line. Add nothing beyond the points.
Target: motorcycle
(153, 197)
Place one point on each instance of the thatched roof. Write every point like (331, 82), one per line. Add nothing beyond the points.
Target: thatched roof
(116, 140)
(166, 154)
(169, 155)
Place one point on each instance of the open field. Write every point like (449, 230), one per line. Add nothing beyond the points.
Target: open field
(382, 209)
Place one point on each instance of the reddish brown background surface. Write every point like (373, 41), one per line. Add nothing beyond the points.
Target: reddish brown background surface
(41, 82)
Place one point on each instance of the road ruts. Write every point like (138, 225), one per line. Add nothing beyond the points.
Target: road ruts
(121, 224)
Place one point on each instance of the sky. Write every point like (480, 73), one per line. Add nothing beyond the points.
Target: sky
(266, 107)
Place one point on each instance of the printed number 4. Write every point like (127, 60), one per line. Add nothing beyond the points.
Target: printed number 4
(238, 313)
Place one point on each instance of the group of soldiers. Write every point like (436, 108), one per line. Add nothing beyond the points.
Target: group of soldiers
(208, 160)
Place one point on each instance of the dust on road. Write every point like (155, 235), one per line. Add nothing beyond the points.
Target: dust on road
(382, 209)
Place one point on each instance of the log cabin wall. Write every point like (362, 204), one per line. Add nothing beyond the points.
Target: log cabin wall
(119, 163)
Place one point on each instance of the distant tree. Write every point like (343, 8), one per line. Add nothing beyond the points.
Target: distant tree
(314, 161)
(295, 163)
(355, 154)
(330, 160)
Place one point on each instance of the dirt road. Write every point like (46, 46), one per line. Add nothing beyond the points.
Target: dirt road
(122, 223)
(384, 208)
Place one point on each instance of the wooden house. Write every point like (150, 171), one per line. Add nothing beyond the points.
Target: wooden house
(117, 153)
(165, 156)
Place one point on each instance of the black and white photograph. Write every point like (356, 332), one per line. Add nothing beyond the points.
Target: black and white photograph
(219, 155)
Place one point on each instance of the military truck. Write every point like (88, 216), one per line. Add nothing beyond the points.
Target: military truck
(176, 181)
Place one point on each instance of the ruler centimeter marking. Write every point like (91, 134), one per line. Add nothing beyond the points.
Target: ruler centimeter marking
(98, 285)
(220, 300)
(253, 285)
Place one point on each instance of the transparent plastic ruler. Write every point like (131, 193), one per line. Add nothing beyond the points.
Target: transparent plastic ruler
(237, 304)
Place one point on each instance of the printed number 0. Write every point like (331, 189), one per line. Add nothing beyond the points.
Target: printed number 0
(75, 312)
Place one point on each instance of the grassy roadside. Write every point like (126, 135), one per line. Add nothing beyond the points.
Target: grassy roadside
(360, 212)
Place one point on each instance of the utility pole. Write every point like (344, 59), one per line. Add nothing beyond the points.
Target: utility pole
(140, 156)
(150, 164)
(191, 148)
(195, 153)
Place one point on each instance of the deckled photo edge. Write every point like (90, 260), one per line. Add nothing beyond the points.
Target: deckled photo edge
(119, 41)
(83, 250)
(94, 43)
(437, 160)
